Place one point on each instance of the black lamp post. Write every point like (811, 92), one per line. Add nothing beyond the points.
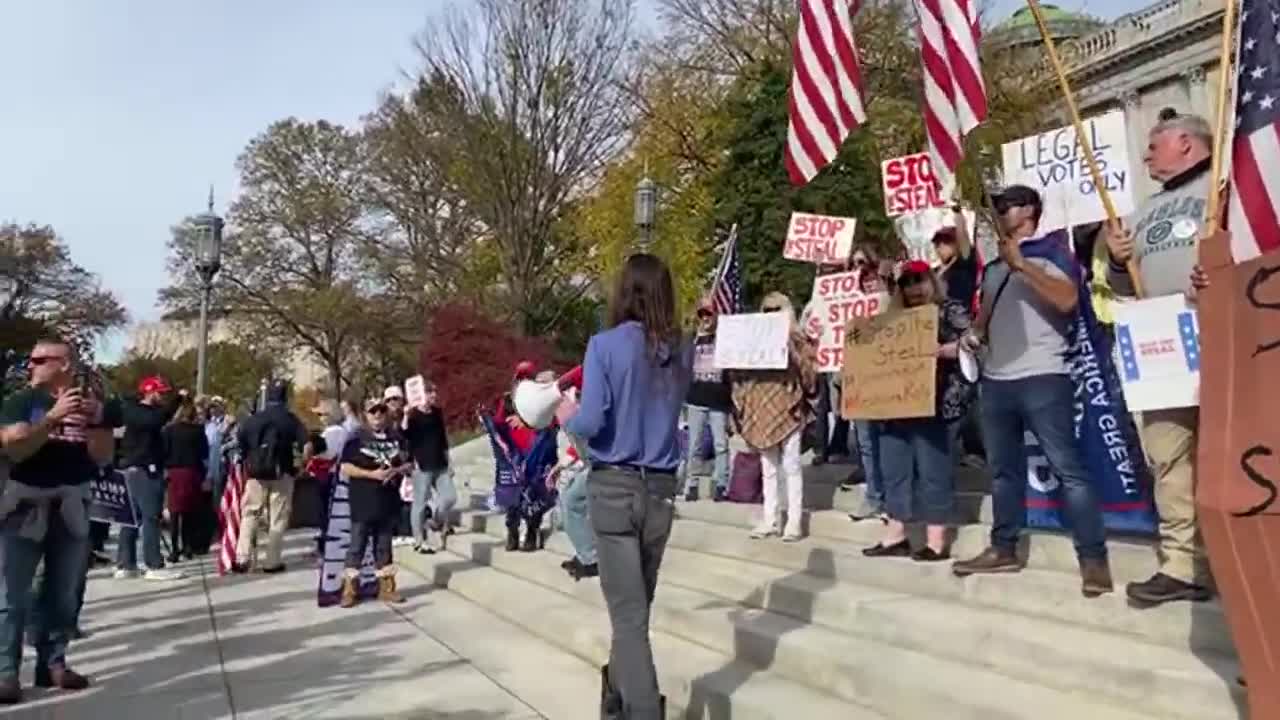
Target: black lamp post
(646, 210)
(208, 232)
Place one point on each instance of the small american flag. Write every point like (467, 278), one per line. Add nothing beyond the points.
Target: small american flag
(229, 516)
(1255, 152)
(726, 288)
(825, 102)
(955, 99)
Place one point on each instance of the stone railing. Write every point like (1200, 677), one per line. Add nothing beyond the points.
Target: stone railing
(1131, 30)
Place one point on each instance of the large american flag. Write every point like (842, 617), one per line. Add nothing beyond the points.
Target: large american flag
(229, 516)
(955, 98)
(726, 288)
(1255, 151)
(825, 102)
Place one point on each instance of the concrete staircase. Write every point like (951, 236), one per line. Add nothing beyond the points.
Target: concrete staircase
(762, 629)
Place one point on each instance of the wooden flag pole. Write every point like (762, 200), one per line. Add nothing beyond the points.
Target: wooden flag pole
(1082, 137)
(1213, 217)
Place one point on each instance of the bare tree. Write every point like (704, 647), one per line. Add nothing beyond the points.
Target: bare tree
(528, 98)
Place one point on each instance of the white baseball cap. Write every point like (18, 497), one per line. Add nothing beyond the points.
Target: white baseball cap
(392, 391)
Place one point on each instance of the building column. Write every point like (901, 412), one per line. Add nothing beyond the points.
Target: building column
(1196, 80)
(1138, 128)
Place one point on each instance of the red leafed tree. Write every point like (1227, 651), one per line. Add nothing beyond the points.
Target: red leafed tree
(472, 358)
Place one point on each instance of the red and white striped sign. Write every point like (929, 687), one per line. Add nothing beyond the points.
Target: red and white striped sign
(955, 98)
(825, 103)
(229, 517)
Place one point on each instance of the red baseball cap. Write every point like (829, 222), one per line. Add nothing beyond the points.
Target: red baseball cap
(153, 384)
(526, 369)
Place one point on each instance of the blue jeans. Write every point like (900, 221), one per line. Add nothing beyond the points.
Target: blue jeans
(1045, 406)
(53, 610)
(866, 445)
(699, 417)
(147, 492)
(916, 470)
(434, 489)
(577, 521)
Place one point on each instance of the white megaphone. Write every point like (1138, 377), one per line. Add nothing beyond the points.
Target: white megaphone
(536, 402)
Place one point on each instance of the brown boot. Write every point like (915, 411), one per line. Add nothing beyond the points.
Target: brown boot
(387, 592)
(992, 560)
(61, 677)
(1095, 577)
(349, 592)
(10, 691)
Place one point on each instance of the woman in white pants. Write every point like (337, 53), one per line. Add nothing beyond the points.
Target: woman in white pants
(772, 409)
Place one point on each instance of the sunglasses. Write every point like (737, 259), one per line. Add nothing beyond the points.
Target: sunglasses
(377, 410)
(42, 359)
(770, 308)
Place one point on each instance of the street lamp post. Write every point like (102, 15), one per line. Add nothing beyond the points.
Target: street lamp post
(208, 232)
(646, 210)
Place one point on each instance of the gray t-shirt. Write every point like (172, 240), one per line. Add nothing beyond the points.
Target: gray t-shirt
(1165, 229)
(1026, 337)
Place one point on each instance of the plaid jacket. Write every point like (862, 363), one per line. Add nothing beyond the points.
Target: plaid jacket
(770, 405)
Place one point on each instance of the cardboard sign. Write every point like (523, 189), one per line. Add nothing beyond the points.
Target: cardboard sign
(1054, 164)
(109, 494)
(891, 365)
(909, 185)
(819, 239)
(415, 392)
(753, 341)
(1158, 353)
(837, 300)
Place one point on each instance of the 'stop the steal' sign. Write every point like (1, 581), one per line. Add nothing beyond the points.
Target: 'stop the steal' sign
(1054, 164)
(909, 185)
(753, 341)
(819, 239)
(838, 299)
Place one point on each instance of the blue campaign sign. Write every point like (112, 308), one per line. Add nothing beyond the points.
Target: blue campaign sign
(110, 498)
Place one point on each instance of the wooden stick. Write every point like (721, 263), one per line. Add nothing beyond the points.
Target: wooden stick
(1085, 146)
(1213, 217)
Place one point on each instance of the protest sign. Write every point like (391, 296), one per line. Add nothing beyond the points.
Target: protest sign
(111, 503)
(837, 299)
(753, 341)
(891, 363)
(909, 185)
(415, 392)
(337, 540)
(1053, 164)
(1158, 353)
(916, 231)
(819, 238)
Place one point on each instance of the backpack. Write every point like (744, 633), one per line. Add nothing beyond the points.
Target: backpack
(746, 482)
(263, 461)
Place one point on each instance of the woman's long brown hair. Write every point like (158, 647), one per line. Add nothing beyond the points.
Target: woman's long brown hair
(645, 294)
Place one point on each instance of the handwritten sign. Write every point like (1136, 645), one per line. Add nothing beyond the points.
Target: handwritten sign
(909, 185)
(891, 365)
(109, 494)
(1158, 353)
(820, 239)
(753, 341)
(415, 391)
(838, 299)
(1054, 164)
(916, 230)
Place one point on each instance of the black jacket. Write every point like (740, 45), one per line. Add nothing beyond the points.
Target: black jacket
(143, 441)
(290, 434)
(186, 446)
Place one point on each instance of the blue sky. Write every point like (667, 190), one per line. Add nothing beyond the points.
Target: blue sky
(116, 116)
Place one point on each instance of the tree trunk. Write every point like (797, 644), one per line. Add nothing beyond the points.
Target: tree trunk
(335, 377)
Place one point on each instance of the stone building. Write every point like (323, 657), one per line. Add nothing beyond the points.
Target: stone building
(171, 338)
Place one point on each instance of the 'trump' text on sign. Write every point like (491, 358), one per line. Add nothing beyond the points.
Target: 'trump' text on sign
(820, 239)
(1054, 164)
(891, 363)
(909, 185)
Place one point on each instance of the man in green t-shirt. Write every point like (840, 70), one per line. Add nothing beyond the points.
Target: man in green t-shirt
(49, 431)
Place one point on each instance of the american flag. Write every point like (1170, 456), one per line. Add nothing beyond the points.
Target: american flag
(1255, 151)
(229, 516)
(726, 288)
(955, 98)
(825, 102)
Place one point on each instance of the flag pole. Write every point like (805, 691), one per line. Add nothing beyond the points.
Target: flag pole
(1213, 217)
(1086, 147)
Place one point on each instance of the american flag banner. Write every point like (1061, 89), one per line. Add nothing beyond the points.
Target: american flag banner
(825, 100)
(955, 98)
(726, 288)
(1252, 212)
(229, 516)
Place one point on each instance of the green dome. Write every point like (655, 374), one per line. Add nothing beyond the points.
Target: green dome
(1051, 13)
(1020, 31)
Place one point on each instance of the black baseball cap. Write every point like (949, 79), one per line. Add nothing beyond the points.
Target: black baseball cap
(1017, 196)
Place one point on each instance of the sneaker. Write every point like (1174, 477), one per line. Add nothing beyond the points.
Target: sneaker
(1161, 588)
(1095, 577)
(692, 494)
(402, 542)
(163, 575)
(720, 495)
(792, 536)
(764, 531)
(125, 573)
(992, 560)
(424, 549)
(582, 571)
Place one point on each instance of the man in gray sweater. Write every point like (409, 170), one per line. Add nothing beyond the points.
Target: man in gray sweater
(1161, 236)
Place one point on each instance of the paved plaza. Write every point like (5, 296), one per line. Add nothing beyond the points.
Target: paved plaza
(258, 647)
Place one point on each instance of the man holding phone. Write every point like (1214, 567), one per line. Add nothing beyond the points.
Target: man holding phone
(45, 431)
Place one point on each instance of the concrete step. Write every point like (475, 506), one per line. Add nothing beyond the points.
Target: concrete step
(1176, 682)
(899, 680)
(699, 682)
